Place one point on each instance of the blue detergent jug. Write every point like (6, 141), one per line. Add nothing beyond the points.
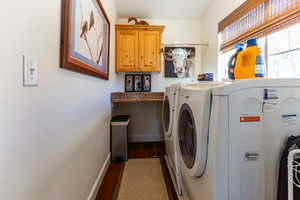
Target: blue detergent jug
(232, 61)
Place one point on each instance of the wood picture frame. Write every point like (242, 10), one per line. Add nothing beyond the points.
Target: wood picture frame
(85, 38)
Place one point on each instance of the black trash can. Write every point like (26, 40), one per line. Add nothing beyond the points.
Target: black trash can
(119, 138)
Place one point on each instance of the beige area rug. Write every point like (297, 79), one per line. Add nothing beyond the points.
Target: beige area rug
(143, 180)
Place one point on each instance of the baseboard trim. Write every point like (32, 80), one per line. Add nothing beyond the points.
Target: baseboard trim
(96, 186)
(144, 138)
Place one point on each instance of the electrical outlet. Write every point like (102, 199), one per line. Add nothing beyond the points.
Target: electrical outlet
(30, 71)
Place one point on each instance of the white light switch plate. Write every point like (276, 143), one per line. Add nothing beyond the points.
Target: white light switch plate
(30, 71)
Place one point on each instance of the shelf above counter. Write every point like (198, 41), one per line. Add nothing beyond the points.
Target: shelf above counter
(131, 97)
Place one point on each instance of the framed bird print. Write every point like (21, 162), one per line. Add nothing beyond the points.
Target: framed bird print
(85, 38)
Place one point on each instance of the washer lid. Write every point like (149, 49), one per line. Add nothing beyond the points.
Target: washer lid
(200, 87)
(229, 87)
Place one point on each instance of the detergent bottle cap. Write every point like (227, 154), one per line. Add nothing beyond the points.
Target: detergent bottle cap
(239, 46)
(252, 42)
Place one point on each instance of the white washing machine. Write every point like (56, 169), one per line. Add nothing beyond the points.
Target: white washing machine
(193, 125)
(169, 116)
(238, 158)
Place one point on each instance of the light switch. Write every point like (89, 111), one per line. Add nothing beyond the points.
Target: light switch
(30, 70)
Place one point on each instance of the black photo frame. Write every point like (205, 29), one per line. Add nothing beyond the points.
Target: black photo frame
(138, 83)
(146, 83)
(129, 83)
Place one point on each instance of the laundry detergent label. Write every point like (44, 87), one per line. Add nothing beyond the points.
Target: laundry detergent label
(289, 119)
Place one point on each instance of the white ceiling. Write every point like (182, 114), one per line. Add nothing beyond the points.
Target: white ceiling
(162, 9)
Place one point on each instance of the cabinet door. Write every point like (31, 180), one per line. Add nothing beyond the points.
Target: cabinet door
(149, 49)
(127, 51)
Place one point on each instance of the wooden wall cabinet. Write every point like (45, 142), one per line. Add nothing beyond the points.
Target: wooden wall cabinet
(138, 48)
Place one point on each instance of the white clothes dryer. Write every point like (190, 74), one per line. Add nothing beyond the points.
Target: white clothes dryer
(169, 116)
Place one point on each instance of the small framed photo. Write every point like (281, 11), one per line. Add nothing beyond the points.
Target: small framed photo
(147, 83)
(138, 83)
(129, 83)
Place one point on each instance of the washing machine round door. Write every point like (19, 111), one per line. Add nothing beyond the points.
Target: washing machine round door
(187, 136)
(167, 116)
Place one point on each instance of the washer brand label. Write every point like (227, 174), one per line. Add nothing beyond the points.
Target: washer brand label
(289, 120)
(270, 94)
(244, 119)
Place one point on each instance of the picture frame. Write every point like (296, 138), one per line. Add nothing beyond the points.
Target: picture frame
(129, 83)
(85, 38)
(147, 83)
(138, 83)
(179, 71)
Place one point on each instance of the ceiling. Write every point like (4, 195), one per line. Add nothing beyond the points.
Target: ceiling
(162, 9)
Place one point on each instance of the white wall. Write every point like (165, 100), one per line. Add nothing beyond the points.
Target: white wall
(176, 31)
(217, 10)
(54, 138)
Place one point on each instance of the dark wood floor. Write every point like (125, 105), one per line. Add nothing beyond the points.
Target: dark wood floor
(111, 183)
(146, 150)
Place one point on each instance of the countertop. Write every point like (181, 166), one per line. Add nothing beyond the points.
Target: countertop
(122, 97)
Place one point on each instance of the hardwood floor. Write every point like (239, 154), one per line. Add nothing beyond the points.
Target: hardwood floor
(146, 150)
(111, 183)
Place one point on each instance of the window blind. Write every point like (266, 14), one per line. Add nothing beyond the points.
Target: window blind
(257, 18)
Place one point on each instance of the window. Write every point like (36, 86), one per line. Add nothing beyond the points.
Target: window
(257, 18)
(284, 53)
(276, 23)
